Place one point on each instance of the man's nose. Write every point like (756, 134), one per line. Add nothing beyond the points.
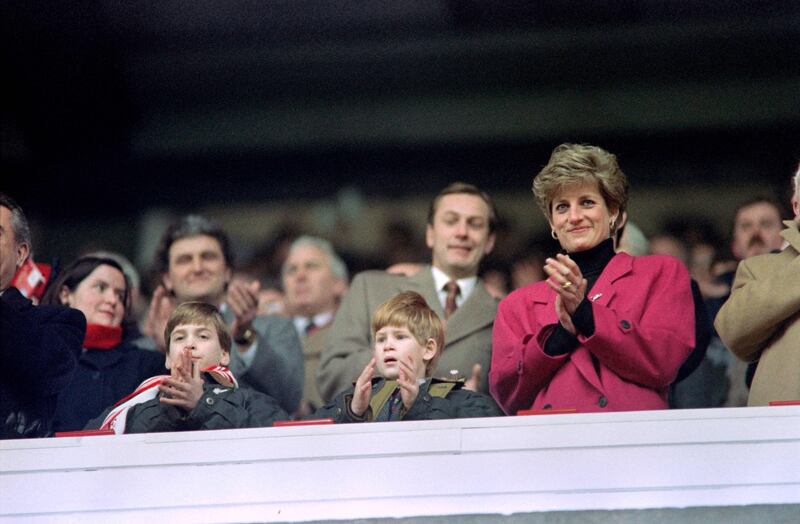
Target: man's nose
(461, 228)
(197, 264)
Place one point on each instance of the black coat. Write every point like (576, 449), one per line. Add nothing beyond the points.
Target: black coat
(38, 345)
(459, 403)
(220, 407)
(102, 378)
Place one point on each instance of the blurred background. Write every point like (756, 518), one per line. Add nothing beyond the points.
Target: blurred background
(343, 118)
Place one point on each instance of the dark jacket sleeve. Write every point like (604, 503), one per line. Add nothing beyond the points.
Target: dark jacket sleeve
(277, 368)
(339, 409)
(218, 408)
(38, 345)
(459, 403)
(702, 335)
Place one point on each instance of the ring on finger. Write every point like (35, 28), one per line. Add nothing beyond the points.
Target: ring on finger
(566, 285)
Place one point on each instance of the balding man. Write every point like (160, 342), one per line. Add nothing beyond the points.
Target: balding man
(314, 281)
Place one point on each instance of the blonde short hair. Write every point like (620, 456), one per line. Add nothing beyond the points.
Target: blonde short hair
(202, 314)
(579, 163)
(409, 310)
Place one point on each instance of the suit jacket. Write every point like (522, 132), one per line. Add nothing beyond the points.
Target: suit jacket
(313, 345)
(644, 330)
(277, 368)
(468, 337)
(37, 359)
(761, 321)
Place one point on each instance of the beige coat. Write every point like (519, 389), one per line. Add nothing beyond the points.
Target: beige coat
(761, 320)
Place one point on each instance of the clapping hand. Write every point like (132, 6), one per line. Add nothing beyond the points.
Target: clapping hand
(566, 279)
(184, 388)
(363, 390)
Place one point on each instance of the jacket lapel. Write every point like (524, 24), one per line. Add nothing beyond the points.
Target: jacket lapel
(475, 314)
(423, 284)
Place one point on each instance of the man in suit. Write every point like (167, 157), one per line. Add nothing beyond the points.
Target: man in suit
(314, 281)
(38, 345)
(759, 321)
(195, 261)
(460, 232)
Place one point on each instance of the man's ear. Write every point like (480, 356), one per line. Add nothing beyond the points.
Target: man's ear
(166, 281)
(168, 360)
(226, 358)
(23, 250)
(489, 244)
(339, 288)
(429, 236)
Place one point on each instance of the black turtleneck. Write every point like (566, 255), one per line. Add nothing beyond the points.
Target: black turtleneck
(591, 262)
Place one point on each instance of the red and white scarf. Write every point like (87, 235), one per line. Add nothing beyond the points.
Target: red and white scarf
(148, 390)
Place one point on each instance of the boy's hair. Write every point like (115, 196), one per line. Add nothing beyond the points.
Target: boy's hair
(409, 310)
(202, 314)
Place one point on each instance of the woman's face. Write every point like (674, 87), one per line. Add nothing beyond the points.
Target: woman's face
(100, 296)
(580, 217)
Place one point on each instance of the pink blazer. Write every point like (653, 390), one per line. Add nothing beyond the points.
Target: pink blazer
(644, 330)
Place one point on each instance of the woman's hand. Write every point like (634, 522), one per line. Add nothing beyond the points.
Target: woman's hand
(566, 279)
(185, 387)
(363, 391)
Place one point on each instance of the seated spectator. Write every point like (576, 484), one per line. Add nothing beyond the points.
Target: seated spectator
(200, 392)
(409, 338)
(108, 367)
(195, 261)
(606, 331)
(460, 233)
(759, 321)
(314, 279)
(37, 344)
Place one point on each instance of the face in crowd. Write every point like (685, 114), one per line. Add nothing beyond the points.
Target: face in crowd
(100, 296)
(580, 216)
(394, 345)
(309, 283)
(12, 253)
(756, 230)
(201, 341)
(197, 270)
(459, 235)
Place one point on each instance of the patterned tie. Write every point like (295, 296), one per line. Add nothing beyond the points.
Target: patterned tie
(450, 305)
(311, 328)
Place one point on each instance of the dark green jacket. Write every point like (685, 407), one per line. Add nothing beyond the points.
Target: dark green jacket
(429, 404)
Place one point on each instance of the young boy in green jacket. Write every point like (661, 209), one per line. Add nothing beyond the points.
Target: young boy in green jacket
(408, 339)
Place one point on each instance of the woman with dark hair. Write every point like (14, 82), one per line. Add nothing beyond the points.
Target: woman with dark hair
(108, 368)
(605, 331)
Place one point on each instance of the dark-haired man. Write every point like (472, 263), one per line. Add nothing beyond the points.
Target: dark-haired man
(195, 261)
(460, 233)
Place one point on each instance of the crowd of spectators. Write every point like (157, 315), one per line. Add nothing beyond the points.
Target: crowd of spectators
(594, 317)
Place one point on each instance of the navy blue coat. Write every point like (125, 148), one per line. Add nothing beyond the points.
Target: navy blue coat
(102, 378)
(38, 345)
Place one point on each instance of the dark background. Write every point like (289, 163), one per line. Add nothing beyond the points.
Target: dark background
(112, 107)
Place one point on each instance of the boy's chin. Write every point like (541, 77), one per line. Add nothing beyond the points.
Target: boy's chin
(389, 374)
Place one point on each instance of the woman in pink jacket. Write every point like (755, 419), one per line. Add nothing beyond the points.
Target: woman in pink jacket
(605, 331)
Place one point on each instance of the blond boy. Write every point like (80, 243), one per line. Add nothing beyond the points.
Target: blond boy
(408, 339)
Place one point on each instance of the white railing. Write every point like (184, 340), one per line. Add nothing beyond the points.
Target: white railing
(613, 461)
